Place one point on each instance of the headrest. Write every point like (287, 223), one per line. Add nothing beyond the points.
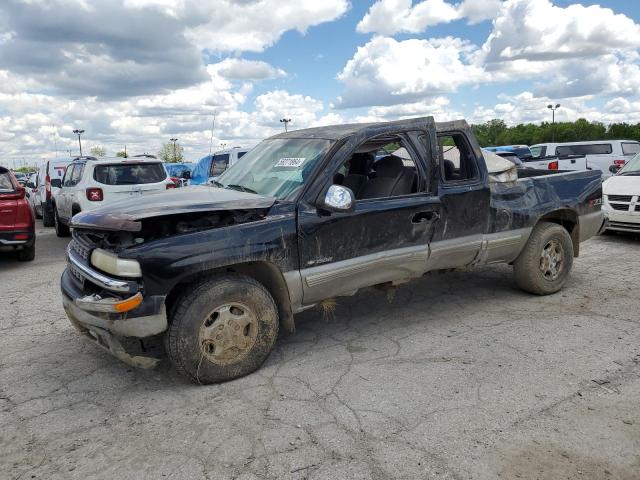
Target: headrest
(388, 166)
(359, 163)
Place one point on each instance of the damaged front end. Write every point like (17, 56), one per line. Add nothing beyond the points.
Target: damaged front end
(103, 287)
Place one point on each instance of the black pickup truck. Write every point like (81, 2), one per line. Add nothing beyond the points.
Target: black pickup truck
(216, 271)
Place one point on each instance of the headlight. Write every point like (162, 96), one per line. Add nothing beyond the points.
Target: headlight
(110, 263)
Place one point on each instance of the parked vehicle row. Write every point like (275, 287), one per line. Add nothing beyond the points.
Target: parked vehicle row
(606, 156)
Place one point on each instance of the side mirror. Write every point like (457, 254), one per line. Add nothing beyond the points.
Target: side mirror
(614, 169)
(56, 183)
(339, 199)
(186, 175)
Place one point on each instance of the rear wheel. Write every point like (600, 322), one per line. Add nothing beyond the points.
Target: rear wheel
(223, 329)
(61, 229)
(27, 254)
(544, 265)
(47, 215)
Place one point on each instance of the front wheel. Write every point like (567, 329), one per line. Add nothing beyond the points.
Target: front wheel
(61, 229)
(224, 328)
(543, 267)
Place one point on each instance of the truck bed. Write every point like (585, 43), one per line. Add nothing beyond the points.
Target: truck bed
(522, 203)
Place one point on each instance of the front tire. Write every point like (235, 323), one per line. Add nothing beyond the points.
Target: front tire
(543, 267)
(223, 328)
(61, 229)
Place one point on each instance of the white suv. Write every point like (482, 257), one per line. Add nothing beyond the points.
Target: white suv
(89, 183)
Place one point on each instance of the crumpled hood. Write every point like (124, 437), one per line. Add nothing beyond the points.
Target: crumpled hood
(126, 214)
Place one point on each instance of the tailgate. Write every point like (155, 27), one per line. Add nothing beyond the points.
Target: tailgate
(579, 163)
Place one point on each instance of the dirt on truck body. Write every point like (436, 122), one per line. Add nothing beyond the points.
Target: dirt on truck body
(215, 272)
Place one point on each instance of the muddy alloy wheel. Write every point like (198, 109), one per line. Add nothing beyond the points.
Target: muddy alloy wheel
(544, 264)
(222, 328)
(228, 333)
(552, 260)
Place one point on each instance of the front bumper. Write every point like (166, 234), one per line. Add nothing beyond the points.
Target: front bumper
(622, 221)
(83, 286)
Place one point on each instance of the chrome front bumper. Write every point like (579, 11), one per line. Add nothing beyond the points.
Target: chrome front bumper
(111, 330)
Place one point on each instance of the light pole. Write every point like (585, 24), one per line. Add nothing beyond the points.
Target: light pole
(174, 140)
(286, 122)
(553, 120)
(79, 132)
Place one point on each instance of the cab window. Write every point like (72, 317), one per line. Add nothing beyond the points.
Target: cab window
(382, 167)
(219, 164)
(456, 158)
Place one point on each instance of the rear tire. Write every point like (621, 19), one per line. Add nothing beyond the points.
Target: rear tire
(223, 328)
(543, 266)
(61, 229)
(47, 215)
(27, 254)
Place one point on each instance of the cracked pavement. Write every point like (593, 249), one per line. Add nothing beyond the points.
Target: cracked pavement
(460, 376)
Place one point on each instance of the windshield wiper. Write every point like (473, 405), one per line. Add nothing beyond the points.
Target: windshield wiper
(217, 184)
(242, 188)
(629, 173)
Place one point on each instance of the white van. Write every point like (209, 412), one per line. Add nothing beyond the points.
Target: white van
(621, 199)
(592, 155)
(50, 175)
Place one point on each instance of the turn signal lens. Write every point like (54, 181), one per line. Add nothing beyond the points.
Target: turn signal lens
(128, 304)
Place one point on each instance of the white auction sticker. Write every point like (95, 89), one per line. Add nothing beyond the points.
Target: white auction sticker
(290, 162)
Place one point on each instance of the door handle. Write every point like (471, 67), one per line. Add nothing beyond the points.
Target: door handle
(425, 217)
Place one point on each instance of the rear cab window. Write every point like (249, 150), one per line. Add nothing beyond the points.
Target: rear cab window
(129, 173)
(630, 148)
(589, 149)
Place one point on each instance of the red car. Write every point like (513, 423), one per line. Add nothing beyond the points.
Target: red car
(17, 223)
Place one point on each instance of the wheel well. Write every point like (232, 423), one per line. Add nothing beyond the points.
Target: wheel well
(569, 220)
(266, 273)
(75, 208)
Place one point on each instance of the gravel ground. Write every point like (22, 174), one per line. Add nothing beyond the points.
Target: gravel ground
(460, 376)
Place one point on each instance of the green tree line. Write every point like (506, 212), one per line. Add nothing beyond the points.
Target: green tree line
(496, 132)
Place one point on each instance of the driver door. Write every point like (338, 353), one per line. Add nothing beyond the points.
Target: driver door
(384, 239)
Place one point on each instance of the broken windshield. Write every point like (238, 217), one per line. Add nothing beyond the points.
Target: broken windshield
(275, 168)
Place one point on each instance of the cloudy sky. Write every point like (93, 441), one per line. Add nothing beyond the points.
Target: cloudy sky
(138, 72)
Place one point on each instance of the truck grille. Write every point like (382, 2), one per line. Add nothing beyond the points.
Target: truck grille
(619, 198)
(80, 249)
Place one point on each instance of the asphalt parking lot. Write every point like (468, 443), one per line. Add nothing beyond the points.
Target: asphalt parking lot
(459, 376)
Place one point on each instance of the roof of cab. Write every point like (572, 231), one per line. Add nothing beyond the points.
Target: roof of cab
(338, 132)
